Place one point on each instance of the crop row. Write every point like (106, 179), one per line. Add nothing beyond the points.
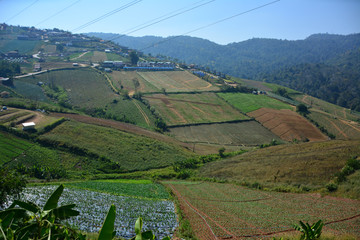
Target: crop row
(231, 210)
(149, 190)
(158, 216)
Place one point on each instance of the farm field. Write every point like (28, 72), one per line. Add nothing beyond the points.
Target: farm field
(177, 81)
(242, 133)
(247, 102)
(225, 211)
(11, 147)
(18, 116)
(130, 151)
(180, 109)
(288, 125)
(128, 110)
(158, 215)
(29, 90)
(99, 56)
(24, 47)
(311, 164)
(84, 86)
(49, 65)
(131, 81)
(330, 108)
(340, 127)
(123, 187)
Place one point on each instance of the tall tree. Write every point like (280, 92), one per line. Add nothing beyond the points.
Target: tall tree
(134, 58)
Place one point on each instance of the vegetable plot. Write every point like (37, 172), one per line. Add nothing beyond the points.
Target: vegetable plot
(222, 211)
(159, 216)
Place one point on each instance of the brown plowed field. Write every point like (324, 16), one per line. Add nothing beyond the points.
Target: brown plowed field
(288, 125)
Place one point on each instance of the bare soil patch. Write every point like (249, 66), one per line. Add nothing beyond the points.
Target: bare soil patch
(288, 125)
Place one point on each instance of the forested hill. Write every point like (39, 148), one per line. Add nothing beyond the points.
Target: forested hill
(247, 59)
(337, 81)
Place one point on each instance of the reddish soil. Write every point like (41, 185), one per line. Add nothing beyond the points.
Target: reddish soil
(288, 125)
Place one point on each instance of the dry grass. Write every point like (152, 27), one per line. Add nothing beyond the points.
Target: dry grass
(305, 163)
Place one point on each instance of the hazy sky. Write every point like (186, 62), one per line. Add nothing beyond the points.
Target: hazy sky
(284, 19)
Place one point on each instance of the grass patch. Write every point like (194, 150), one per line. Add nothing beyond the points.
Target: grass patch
(312, 164)
(249, 102)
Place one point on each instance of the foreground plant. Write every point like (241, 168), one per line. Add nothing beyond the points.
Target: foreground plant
(26, 220)
(310, 232)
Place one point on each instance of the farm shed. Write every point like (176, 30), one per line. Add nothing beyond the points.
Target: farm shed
(28, 125)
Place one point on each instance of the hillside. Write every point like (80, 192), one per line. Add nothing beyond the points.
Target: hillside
(318, 65)
(336, 81)
(312, 164)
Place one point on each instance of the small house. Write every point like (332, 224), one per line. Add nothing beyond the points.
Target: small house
(37, 67)
(28, 126)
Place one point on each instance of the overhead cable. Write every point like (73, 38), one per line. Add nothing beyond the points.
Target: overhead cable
(162, 18)
(106, 15)
(17, 14)
(57, 13)
(208, 25)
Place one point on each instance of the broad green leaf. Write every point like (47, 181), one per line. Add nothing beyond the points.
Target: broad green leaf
(148, 235)
(5, 223)
(19, 212)
(168, 238)
(138, 226)
(24, 232)
(32, 207)
(107, 229)
(54, 198)
(65, 212)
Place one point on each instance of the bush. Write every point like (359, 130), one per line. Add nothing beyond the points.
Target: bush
(331, 187)
(355, 164)
(184, 174)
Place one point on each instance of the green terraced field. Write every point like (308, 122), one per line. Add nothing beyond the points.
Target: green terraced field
(131, 188)
(130, 151)
(11, 147)
(246, 102)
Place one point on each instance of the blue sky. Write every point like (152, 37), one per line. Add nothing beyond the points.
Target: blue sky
(285, 19)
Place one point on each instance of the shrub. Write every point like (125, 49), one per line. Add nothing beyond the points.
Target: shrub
(332, 187)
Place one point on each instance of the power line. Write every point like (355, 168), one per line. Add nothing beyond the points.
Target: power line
(208, 25)
(106, 15)
(17, 14)
(162, 18)
(57, 13)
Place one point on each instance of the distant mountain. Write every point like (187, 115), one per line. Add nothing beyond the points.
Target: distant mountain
(247, 59)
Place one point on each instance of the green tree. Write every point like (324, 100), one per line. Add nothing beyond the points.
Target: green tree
(221, 152)
(302, 108)
(11, 184)
(60, 47)
(134, 58)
